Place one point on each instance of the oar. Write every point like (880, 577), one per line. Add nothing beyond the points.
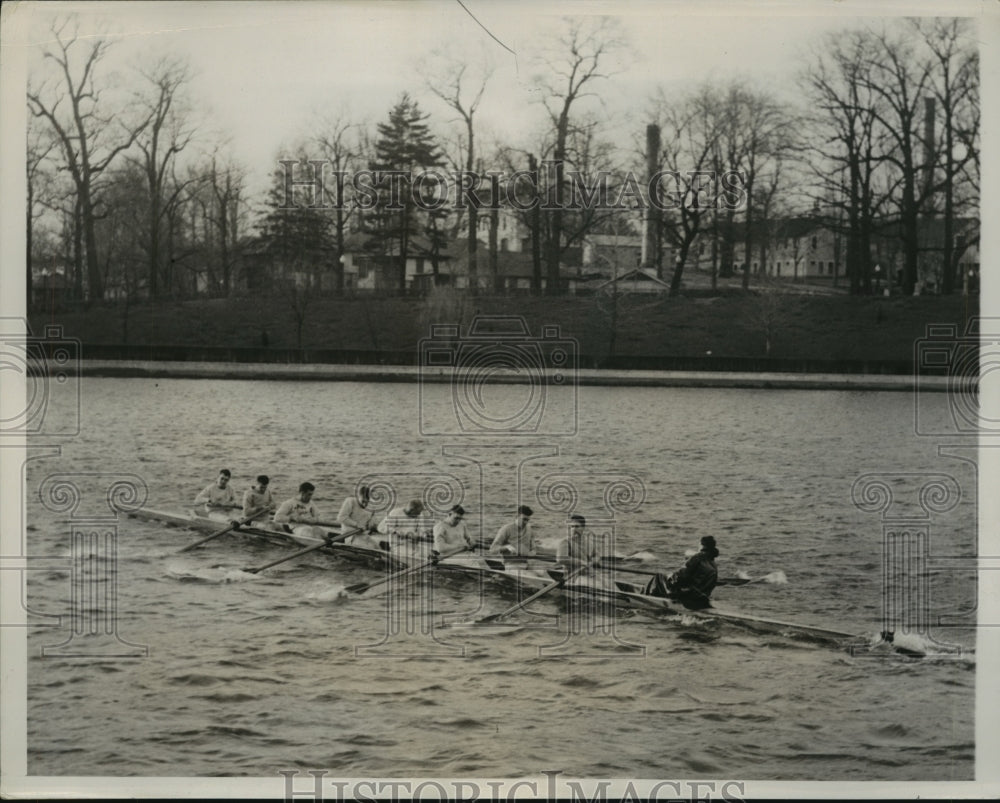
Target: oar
(234, 526)
(541, 592)
(333, 539)
(361, 588)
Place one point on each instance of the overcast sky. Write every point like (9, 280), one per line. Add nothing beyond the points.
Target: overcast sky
(264, 71)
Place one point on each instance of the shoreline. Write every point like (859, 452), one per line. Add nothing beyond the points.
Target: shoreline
(150, 369)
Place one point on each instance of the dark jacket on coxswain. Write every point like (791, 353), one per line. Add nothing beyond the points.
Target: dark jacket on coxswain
(693, 584)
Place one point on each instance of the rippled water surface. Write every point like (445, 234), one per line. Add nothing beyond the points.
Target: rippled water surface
(253, 674)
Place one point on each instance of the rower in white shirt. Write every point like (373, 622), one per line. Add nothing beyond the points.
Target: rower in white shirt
(406, 522)
(354, 516)
(258, 496)
(219, 495)
(579, 548)
(452, 534)
(298, 515)
(516, 537)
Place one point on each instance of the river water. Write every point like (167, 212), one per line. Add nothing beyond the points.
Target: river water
(249, 675)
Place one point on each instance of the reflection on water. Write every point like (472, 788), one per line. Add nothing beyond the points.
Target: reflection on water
(253, 676)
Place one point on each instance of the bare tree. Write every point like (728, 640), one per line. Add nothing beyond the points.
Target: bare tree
(165, 136)
(571, 66)
(955, 86)
(341, 146)
(845, 150)
(692, 127)
(83, 129)
(226, 181)
(757, 131)
(445, 79)
(39, 147)
(769, 314)
(900, 78)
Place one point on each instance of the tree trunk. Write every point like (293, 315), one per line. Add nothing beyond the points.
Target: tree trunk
(536, 232)
(494, 263)
(29, 296)
(78, 259)
(675, 280)
(748, 237)
(95, 281)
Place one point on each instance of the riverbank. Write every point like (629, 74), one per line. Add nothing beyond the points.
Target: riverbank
(833, 334)
(381, 373)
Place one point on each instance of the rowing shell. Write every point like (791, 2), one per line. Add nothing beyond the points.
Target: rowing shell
(604, 586)
(196, 520)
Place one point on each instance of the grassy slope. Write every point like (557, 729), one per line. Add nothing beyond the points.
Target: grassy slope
(823, 327)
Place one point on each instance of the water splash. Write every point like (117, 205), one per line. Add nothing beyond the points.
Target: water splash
(218, 575)
(326, 594)
(917, 646)
(642, 557)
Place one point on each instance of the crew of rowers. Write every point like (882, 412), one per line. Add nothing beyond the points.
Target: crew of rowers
(692, 584)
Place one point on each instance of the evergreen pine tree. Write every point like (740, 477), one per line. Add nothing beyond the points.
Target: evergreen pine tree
(297, 239)
(405, 146)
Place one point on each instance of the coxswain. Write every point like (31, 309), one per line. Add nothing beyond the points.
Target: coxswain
(218, 495)
(515, 537)
(692, 585)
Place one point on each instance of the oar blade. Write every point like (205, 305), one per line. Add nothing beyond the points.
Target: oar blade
(484, 628)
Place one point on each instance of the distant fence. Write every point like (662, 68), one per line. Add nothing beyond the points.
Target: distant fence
(222, 354)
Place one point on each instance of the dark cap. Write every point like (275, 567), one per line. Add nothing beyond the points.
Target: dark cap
(524, 510)
(708, 541)
(578, 519)
(458, 509)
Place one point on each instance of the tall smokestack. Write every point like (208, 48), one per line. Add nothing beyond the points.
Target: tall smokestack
(929, 152)
(649, 222)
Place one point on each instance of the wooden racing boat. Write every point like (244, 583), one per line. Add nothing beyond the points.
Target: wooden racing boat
(607, 586)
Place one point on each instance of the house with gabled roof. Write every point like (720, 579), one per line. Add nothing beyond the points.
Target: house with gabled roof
(638, 281)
